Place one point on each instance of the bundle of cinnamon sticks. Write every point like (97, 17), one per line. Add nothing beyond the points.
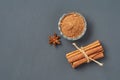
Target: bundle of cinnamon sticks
(93, 51)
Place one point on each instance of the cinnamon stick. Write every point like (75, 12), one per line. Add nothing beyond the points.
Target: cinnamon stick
(86, 48)
(84, 60)
(94, 44)
(81, 61)
(89, 52)
(85, 54)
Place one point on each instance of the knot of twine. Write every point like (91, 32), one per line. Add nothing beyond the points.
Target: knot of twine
(86, 56)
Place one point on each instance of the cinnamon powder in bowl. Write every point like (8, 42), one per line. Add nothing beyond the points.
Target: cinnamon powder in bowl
(72, 26)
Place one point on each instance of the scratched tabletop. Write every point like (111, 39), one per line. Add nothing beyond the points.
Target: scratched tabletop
(25, 53)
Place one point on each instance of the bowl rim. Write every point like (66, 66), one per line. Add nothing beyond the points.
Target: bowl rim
(79, 36)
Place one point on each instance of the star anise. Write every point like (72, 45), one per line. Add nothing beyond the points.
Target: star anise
(54, 39)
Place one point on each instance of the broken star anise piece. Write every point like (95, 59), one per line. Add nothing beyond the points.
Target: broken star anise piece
(54, 39)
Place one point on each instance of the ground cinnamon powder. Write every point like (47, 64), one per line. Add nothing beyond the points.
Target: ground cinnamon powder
(72, 25)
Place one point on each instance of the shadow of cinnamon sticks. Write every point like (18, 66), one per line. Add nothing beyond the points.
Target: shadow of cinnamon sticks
(105, 51)
(85, 65)
(81, 67)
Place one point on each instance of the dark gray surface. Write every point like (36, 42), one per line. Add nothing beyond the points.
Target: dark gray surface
(24, 50)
